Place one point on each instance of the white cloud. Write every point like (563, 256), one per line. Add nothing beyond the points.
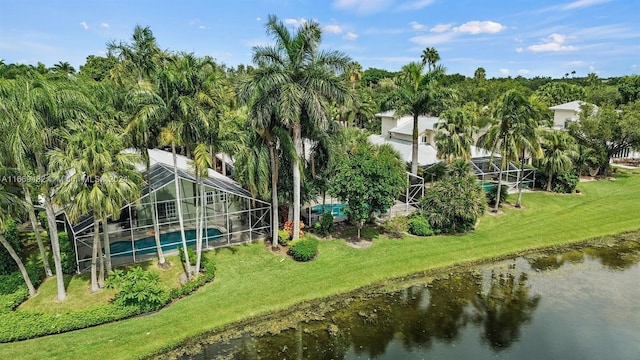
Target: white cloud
(504, 71)
(519, 50)
(582, 3)
(104, 25)
(258, 18)
(414, 5)
(295, 22)
(480, 27)
(441, 28)
(202, 27)
(553, 43)
(350, 36)
(84, 25)
(417, 26)
(362, 7)
(523, 71)
(333, 29)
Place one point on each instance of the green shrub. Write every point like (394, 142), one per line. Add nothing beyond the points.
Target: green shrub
(67, 254)
(8, 302)
(191, 286)
(566, 183)
(192, 255)
(396, 227)
(138, 288)
(324, 227)
(7, 264)
(283, 237)
(420, 226)
(492, 194)
(304, 249)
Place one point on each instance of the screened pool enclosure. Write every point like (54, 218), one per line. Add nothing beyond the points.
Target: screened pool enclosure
(231, 215)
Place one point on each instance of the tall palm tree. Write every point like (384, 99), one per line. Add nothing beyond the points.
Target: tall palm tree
(416, 94)
(64, 68)
(506, 130)
(302, 80)
(430, 57)
(454, 135)
(527, 138)
(559, 150)
(139, 57)
(39, 108)
(95, 177)
(202, 161)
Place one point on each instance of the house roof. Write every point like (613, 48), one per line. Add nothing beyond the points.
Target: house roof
(388, 113)
(405, 125)
(572, 106)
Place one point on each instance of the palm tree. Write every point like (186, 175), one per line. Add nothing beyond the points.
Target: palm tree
(506, 130)
(527, 139)
(454, 135)
(202, 161)
(416, 94)
(559, 151)
(354, 73)
(480, 74)
(95, 177)
(64, 68)
(302, 81)
(430, 57)
(39, 108)
(138, 57)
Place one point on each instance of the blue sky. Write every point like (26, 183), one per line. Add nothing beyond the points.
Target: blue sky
(507, 38)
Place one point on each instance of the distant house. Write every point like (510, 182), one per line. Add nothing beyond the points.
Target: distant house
(566, 113)
(398, 132)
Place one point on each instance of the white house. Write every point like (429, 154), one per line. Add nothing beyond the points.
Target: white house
(398, 132)
(566, 113)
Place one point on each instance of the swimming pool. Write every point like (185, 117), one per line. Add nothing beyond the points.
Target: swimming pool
(168, 241)
(336, 209)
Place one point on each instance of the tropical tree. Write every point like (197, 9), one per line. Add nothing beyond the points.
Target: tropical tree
(480, 74)
(504, 135)
(416, 94)
(64, 68)
(95, 177)
(527, 139)
(559, 152)
(368, 180)
(302, 81)
(140, 57)
(202, 161)
(454, 134)
(38, 109)
(430, 57)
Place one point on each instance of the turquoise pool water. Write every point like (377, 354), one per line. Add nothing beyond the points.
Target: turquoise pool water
(168, 241)
(336, 209)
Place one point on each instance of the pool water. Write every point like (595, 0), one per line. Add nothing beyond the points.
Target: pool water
(335, 209)
(168, 241)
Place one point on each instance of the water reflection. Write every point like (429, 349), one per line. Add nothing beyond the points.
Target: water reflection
(492, 306)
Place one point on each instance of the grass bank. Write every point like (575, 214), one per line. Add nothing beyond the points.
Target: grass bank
(251, 281)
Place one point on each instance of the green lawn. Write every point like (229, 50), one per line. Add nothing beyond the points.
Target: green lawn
(251, 281)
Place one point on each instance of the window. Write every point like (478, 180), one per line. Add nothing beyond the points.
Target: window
(167, 210)
(210, 197)
(424, 139)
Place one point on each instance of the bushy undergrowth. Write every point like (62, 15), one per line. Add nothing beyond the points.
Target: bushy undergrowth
(419, 226)
(566, 183)
(12, 282)
(396, 227)
(304, 249)
(140, 293)
(283, 237)
(492, 194)
(325, 226)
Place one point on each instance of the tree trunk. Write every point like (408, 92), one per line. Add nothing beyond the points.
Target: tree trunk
(154, 217)
(23, 270)
(499, 190)
(94, 253)
(297, 141)
(414, 146)
(224, 164)
(519, 200)
(53, 235)
(198, 228)
(107, 245)
(274, 196)
(359, 228)
(34, 224)
(549, 182)
(179, 210)
(101, 266)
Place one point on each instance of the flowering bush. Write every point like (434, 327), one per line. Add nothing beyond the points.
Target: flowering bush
(288, 225)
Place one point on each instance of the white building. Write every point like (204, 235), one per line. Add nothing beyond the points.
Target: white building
(566, 113)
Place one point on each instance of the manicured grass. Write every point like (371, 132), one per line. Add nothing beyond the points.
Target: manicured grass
(251, 281)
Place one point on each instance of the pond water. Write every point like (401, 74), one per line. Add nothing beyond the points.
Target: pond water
(577, 304)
